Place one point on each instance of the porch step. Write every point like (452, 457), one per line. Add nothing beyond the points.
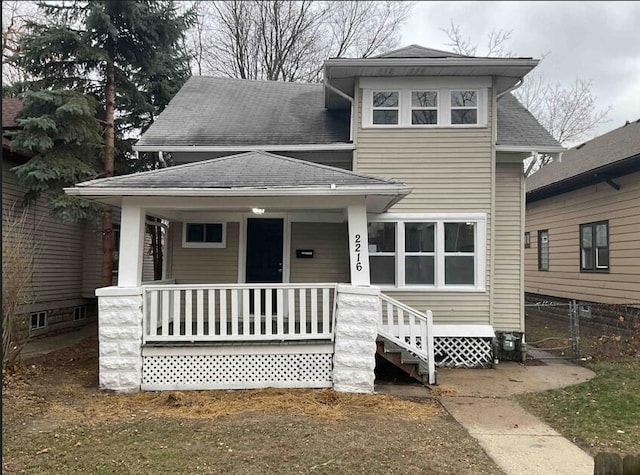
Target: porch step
(412, 365)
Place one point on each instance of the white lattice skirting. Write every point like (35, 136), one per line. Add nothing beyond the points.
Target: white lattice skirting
(237, 368)
(468, 352)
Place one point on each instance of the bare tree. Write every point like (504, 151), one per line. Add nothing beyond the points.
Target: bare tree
(19, 249)
(288, 41)
(569, 113)
(15, 15)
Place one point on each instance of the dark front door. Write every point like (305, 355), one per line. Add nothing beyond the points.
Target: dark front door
(264, 250)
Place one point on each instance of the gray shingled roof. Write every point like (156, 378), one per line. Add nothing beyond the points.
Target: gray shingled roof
(261, 170)
(417, 51)
(228, 112)
(517, 127)
(233, 112)
(602, 151)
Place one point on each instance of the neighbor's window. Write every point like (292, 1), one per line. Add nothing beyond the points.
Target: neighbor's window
(594, 247)
(426, 253)
(38, 320)
(79, 313)
(527, 240)
(382, 252)
(203, 235)
(464, 107)
(386, 107)
(424, 107)
(543, 250)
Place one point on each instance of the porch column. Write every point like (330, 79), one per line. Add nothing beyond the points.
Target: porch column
(131, 245)
(358, 244)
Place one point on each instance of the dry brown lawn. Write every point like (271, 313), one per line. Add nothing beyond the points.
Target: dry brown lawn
(55, 420)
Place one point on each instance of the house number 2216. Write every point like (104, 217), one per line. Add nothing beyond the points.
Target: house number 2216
(358, 244)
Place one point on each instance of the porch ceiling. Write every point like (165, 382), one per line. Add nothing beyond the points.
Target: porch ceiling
(244, 181)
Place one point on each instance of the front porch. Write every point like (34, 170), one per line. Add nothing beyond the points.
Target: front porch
(240, 306)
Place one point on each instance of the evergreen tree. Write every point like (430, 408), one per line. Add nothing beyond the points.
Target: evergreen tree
(60, 131)
(127, 54)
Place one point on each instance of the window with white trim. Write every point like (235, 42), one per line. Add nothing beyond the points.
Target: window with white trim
(79, 313)
(204, 235)
(427, 253)
(594, 247)
(38, 320)
(417, 104)
(386, 107)
(424, 107)
(543, 249)
(464, 107)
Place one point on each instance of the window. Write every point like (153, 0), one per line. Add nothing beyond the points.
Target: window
(386, 107)
(425, 102)
(464, 107)
(527, 240)
(543, 250)
(424, 107)
(204, 235)
(382, 252)
(434, 253)
(38, 320)
(79, 313)
(594, 247)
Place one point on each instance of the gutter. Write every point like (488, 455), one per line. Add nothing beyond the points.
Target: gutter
(512, 88)
(345, 96)
(528, 62)
(334, 147)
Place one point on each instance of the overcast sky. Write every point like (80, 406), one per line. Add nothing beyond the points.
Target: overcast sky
(599, 41)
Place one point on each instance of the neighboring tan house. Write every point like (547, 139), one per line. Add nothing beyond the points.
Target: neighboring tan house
(583, 222)
(68, 257)
(312, 225)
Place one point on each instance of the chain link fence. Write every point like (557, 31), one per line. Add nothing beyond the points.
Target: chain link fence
(579, 330)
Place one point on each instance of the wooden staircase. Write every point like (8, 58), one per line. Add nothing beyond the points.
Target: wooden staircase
(405, 339)
(403, 359)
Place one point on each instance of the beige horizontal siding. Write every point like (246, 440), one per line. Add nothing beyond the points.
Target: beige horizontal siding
(330, 243)
(448, 307)
(507, 296)
(448, 169)
(58, 269)
(203, 266)
(562, 216)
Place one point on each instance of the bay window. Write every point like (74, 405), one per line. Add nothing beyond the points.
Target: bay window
(437, 253)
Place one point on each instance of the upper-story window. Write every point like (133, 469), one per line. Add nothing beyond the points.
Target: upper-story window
(464, 107)
(386, 107)
(425, 102)
(424, 107)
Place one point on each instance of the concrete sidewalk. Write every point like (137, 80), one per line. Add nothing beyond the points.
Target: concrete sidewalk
(47, 344)
(516, 440)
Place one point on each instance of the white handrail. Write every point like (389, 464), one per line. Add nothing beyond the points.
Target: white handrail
(414, 336)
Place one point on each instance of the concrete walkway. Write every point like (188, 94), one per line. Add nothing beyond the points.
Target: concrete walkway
(46, 344)
(517, 441)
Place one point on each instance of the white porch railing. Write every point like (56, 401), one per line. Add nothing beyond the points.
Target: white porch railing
(409, 329)
(238, 312)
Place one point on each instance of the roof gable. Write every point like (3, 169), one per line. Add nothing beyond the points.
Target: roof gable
(417, 51)
(251, 170)
(604, 151)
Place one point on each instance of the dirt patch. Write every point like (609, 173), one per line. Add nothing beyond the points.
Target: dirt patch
(55, 420)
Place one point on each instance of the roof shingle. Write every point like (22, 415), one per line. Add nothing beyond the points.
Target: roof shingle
(230, 112)
(607, 149)
(260, 170)
(517, 127)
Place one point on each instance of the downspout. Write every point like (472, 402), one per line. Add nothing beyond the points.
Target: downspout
(345, 96)
(165, 254)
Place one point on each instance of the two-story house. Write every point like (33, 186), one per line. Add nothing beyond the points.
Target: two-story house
(312, 225)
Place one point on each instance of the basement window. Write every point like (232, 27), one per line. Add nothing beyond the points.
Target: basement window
(79, 313)
(38, 320)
